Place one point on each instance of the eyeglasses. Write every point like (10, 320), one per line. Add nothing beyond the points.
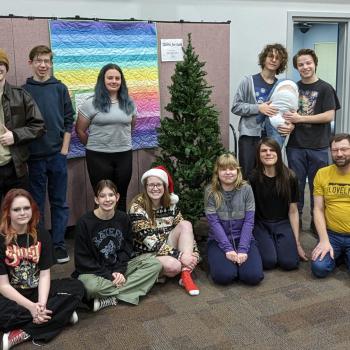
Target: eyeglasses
(152, 186)
(18, 209)
(47, 62)
(341, 149)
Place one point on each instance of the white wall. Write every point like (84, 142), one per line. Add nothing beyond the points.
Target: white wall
(253, 23)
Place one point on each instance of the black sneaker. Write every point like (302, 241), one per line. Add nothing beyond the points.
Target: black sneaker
(61, 255)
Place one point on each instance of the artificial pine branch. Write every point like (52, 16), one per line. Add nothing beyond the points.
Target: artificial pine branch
(189, 141)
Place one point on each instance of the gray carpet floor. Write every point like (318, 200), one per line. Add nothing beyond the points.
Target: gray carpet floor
(288, 310)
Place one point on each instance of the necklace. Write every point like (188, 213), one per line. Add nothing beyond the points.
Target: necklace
(25, 256)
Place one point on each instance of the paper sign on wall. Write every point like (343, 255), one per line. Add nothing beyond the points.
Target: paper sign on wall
(171, 50)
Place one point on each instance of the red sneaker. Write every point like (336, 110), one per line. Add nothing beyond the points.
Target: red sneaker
(12, 338)
(186, 281)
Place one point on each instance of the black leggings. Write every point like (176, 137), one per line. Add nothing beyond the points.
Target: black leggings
(116, 167)
(64, 297)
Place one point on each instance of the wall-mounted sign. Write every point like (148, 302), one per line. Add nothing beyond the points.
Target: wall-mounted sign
(171, 50)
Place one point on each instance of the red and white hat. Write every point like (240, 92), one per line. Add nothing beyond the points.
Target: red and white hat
(162, 173)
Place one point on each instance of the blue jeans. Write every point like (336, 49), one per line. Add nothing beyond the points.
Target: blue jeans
(224, 271)
(270, 130)
(51, 172)
(276, 243)
(341, 246)
(305, 163)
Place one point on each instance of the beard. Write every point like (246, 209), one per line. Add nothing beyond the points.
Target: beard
(341, 163)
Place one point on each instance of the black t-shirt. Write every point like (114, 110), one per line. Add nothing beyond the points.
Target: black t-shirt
(22, 260)
(103, 246)
(314, 98)
(268, 204)
(262, 89)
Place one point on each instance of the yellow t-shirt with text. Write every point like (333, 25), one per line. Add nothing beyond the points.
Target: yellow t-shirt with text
(335, 189)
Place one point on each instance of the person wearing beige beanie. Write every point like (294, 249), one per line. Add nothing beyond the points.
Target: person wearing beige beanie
(20, 123)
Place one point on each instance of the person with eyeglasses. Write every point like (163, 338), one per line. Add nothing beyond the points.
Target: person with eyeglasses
(252, 100)
(105, 261)
(160, 229)
(332, 209)
(48, 154)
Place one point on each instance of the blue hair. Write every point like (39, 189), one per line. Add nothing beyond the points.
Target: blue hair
(102, 101)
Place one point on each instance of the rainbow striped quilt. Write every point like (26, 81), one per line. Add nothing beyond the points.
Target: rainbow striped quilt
(82, 48)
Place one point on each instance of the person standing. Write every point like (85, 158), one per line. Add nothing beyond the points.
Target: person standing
(20, 123)
(307, 148)
(332, 208)
(251, 99)
(48, 154)
(109, 115)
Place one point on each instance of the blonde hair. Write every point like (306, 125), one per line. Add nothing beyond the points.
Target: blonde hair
(225, 161)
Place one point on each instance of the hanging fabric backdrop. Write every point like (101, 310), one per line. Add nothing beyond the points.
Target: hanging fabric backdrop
(82, 48)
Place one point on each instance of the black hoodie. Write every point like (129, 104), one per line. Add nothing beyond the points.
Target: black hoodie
(55, 105)
(102, 246)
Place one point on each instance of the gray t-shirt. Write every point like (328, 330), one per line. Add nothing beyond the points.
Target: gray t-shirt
(108, 132)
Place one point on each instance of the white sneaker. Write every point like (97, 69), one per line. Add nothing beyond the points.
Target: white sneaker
(74, 318)
(100, 303)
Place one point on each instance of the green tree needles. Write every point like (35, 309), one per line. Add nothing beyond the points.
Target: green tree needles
(189, 142)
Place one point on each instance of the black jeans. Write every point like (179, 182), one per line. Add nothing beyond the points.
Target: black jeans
(64, 297)
(9, 179)
(246, 153)
(116, 167)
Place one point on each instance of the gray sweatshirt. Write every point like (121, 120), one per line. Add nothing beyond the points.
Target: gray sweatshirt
(246, 106)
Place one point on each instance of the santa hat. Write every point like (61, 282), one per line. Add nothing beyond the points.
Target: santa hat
(162, 173)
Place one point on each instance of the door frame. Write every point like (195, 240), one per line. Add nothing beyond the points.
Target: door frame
(342, 119)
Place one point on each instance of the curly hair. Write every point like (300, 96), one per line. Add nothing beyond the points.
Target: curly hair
(282, 54)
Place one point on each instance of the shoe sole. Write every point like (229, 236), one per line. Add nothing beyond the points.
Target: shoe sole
(63, 260)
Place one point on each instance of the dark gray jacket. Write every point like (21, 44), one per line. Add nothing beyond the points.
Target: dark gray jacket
(23, 118)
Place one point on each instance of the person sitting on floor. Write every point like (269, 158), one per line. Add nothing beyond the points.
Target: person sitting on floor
(229, 208)
(32, 306)
(104, 258)
(276, 228)
(159, 228)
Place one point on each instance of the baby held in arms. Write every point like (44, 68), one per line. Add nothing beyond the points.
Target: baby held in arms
(285, 99)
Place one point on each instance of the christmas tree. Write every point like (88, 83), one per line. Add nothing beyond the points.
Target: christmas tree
(189, 141)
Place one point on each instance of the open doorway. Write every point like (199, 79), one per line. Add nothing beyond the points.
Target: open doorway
(329, 37)
(323, 39)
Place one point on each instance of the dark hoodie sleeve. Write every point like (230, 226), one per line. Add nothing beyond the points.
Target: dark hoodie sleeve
(68, 111)
(85, 256)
